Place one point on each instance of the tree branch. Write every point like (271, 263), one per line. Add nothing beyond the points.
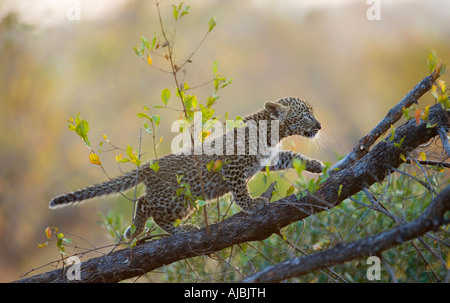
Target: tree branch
(392, 116)
(431, 219)
(373, 167)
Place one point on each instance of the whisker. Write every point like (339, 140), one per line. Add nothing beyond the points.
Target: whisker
(320, 140)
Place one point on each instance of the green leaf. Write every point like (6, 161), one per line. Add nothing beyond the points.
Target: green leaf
(143, 115)
(82, 129)
(154, 166)
(217, 166)
(137, 51)
(43, 244)
(299, 165)
(340, 190)
(211, 100)
(133, 157)
(132, 229)
(179, 191)
(191, 102)
(147, 128)
(210, 165)
(201, 202)
(152, 46)
(145, 43)
(290, 190)
(392, 133)
(432, 61)
(175, 12)
(155, 119)
(212, 24)
(214, 68)
(399, 144)
(227, 83)
(185, 11)
(165, 96)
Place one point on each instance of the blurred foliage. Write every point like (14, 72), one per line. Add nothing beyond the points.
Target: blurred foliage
(351, 69)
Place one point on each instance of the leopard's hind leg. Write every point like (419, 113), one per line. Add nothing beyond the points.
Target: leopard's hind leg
(142, 213)
(168, 212)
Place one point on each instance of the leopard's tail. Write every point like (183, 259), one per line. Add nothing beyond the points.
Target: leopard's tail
(113, 186)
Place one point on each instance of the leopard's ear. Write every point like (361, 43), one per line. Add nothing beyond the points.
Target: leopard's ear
(277, 111)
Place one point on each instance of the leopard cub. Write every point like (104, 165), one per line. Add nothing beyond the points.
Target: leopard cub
(241, 159)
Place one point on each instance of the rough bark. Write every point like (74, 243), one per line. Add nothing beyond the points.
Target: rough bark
(361, 173)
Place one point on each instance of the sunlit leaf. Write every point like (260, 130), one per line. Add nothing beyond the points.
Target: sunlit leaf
(147, 128)
(212, 24)
(43, 244)
(423, 156)
(392, 133)
(132, 155)
(143, 115)
(155, 119)
(201, 202)
(94, 159)
(299, 165)
(210, 165)
(165, 96)
(217, 166)
(82, 128)
(152, 46)
(154, 166)
(432, 61)
(149, 59)
(48, 232)
(417, 116)
(402, 156)
(137, 51)
(340, 190)
(290, 190)
(145, 43)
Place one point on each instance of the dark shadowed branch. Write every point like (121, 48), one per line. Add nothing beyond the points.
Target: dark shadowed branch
(363, 171)
(431, 219)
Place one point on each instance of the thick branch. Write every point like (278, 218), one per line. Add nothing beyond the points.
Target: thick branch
(240, 228)
(431, 219)
(392, 116)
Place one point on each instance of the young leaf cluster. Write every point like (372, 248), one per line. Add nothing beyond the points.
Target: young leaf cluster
(61, 241)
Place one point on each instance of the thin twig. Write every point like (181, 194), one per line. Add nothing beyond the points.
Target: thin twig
(442, 131)
(428, 162)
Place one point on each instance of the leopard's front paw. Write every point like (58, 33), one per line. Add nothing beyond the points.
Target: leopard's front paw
(315, 166)
(254, 205)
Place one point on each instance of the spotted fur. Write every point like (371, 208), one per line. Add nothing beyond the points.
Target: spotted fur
(165, 206)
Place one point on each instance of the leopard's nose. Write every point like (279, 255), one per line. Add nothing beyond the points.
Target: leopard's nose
(318, 126)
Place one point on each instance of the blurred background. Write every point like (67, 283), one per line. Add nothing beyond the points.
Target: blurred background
(350, 68)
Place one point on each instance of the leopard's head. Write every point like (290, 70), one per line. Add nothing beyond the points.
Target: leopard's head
(295, 117)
